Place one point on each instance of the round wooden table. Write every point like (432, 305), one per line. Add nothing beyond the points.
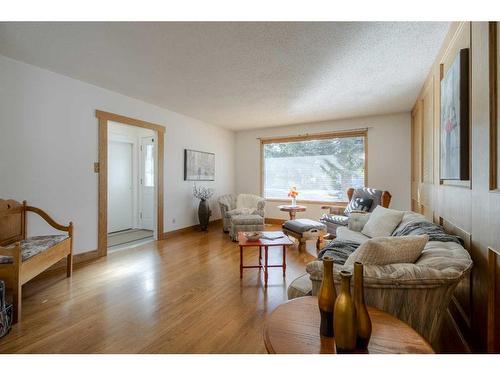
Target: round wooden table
(293, 328)
(292, 210)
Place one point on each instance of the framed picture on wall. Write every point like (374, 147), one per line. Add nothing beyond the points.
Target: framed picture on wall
(454, 128)
(199, 166)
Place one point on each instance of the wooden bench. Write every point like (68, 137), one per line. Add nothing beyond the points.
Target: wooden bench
(21, 258)
(305, 230)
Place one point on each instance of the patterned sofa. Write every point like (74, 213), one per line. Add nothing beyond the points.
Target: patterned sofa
(243, 204)
(417, 293)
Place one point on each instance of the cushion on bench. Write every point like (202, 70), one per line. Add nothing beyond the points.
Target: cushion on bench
(303, 225)
(33, 246)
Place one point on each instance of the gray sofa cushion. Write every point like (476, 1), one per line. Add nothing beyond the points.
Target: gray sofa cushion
(382, 222)
(303, 225)
(389, 250)
(345, 234)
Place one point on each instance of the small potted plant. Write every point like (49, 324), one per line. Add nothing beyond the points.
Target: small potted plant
(293, 194)
(204, 212)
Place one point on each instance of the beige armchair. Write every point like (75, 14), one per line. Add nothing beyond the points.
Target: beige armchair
(232, 205)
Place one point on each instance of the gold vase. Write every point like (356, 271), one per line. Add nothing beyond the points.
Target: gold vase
(345, 316)
(363, 321)
(326, 298)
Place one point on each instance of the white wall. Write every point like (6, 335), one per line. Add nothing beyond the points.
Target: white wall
(388, 157)
(48, 143)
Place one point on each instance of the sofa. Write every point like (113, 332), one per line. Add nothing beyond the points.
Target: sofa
(241, 204)
(417, 293)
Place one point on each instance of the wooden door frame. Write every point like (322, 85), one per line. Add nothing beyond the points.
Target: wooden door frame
(102, 222)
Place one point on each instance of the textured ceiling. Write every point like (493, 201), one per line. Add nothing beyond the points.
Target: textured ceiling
(241, 75)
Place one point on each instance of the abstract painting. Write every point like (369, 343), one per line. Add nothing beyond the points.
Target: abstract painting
(199, 166)
(454, 156)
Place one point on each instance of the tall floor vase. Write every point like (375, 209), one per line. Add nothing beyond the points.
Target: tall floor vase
(204, 214)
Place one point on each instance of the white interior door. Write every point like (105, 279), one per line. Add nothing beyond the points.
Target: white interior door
(120, 186)
(147, 183)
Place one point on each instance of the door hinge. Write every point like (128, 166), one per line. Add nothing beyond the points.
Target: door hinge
(96, 167)
(141, 147)
(152, 140)
(141, 181)
(140, 215)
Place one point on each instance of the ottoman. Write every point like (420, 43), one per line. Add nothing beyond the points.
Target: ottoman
(305, 229)
(245, 223)
(300, 287)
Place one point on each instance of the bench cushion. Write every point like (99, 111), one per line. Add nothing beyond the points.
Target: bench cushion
(303, 225)
(33, 246)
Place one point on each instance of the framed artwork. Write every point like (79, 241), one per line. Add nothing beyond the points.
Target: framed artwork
(199, 166)
(454, 128)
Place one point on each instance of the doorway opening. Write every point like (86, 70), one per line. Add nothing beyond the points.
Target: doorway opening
(131, 185)
(130, 167)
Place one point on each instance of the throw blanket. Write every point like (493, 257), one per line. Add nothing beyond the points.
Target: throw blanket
(434, 231)
(338, 250)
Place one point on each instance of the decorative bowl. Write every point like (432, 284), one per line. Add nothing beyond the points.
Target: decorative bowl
(253, 236)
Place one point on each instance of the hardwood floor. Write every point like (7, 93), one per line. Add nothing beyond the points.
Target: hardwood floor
(180, 295)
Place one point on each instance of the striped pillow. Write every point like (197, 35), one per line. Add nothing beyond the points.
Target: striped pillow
(358, 204)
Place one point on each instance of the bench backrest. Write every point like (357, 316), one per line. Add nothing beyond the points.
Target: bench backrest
(12, 221)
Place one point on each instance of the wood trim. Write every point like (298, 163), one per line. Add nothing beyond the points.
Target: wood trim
(108, 116)
(185, 230)
(316, 136)
(493, 82)
(102, 206)
(307, 137)
(77, 259)
(104, 117)
(269, 220)
(160, 181)
(492, 292)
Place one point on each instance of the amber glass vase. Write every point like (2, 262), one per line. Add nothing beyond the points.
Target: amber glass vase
(326, 298)
(345, 316)
(363, 322)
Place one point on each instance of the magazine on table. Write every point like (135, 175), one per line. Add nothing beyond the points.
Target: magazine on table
(272, 235)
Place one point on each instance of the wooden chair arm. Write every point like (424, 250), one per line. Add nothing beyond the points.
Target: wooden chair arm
(334, 210)
(14, 252)
(49, 220)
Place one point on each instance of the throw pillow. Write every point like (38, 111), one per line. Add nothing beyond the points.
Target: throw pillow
(389, 250)
(358, 204)
(382, 222)
(357, 220)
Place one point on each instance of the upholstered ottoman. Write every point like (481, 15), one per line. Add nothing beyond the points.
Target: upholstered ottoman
(245, 223)
(305, 229)
(300, 287)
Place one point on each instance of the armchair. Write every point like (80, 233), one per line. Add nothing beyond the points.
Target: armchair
(337, 215)
(243, 204)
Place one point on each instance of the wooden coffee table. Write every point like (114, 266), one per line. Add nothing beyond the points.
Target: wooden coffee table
(293, 328)
(292, 210)
(282, 242)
